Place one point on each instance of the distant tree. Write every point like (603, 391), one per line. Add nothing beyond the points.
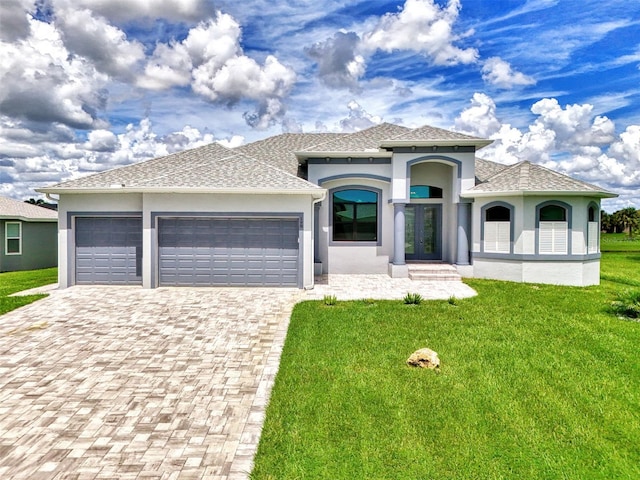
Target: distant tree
(606, 222)
(630, 219)
(33, 201)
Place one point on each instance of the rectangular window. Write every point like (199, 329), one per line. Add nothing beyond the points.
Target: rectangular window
(553, 237)
(592, 237)
(497, 237)
(13, 238)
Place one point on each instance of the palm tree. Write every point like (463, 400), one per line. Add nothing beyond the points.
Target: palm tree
(33, 201)
(630, 219)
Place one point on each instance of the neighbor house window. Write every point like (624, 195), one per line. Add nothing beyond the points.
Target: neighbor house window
(593, 230)
(13, 238)
(497, 229)
(553, 230)
(355, 215)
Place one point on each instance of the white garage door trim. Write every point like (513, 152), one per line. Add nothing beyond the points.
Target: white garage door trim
(233, 249)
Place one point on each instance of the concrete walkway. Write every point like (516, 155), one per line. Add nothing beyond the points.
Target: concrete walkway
(127, 383)
(380, 287)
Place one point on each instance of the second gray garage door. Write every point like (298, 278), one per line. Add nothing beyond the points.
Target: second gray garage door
(228, 251)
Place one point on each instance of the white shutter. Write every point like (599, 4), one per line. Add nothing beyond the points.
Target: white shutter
(592, 237)
(553, 237)
(497, 237)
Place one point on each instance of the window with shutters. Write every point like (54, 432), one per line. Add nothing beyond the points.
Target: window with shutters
(553, 230)
(497, 229)
(593, 230)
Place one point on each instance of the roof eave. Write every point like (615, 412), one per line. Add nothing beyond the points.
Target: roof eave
(28, 219)
(316, 192)
(539, 193)
(478, 143)
(303, 156)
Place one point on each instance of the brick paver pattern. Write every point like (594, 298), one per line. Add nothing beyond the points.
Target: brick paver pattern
(128, 383)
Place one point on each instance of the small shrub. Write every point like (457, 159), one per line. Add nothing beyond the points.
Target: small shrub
(368, 301)
(330, 300)
(412, 299)
(627, 305)
(453, 301)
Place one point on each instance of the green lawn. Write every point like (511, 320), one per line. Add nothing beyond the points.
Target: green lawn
(619, 242)
(536, 382)
(12, 282)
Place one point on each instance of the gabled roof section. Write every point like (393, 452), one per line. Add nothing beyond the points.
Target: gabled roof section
(528, 178)
(429, 136)
(486, 169)
(365, 141)
(205, 169)
(279, 149)
(11, 209)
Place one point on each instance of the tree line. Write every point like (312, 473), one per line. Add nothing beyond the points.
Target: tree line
(625, 220)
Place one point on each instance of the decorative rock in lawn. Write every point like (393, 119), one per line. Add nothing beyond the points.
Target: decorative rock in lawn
(425, 358)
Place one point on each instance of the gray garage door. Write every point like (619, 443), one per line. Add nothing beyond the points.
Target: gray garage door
(108, 251)
(228, 251)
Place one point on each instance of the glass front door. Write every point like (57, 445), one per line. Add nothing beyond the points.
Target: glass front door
(423, 232)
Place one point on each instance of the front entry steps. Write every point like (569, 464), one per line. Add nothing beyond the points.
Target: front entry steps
(433, 272)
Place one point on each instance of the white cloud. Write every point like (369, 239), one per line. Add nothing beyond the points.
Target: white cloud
(498, 72)
(14, 19)
(105, 45)
(568, 139)
(480, 118)
(424, 27)
(126, 10)
(41, 81)
(358, 119)
(211, 60)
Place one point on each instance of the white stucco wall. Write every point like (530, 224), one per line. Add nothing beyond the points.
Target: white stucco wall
(149, 203)
(116, 202)
(580, 270)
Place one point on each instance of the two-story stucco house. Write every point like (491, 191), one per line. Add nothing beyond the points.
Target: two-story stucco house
(280, 210)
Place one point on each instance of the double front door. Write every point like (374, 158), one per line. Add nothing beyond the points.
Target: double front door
(423, 232)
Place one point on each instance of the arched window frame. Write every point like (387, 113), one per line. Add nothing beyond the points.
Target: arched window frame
(503, 230)
(378, 192)
(554, 237)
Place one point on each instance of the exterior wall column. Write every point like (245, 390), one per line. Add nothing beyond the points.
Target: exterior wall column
(399, 234)
(464, 225)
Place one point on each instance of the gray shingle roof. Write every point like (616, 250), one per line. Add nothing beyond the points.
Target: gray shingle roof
(428, 133)
(210, 167)
(368, 140)
(528, 177)
(486, 169)
(279, 149)
(15, 209)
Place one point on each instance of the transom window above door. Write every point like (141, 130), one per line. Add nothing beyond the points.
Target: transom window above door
(355, 215)
(424, 191)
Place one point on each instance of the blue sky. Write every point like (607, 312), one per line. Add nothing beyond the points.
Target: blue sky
(88, 85)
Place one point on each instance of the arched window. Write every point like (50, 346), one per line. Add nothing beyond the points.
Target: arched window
(355, 215)
(553, 229)
(425, 191)
(497, 229)
(593, 230)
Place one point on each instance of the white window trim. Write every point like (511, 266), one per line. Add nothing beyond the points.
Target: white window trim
(7, 238)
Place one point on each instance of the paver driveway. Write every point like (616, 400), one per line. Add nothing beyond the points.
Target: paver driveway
(128, 383)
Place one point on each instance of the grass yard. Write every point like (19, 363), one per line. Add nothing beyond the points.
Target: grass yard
(619, 242)
(536, 381)
(12, 282)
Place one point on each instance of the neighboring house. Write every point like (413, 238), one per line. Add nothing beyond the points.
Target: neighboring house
(278, 211)
(29, 236)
